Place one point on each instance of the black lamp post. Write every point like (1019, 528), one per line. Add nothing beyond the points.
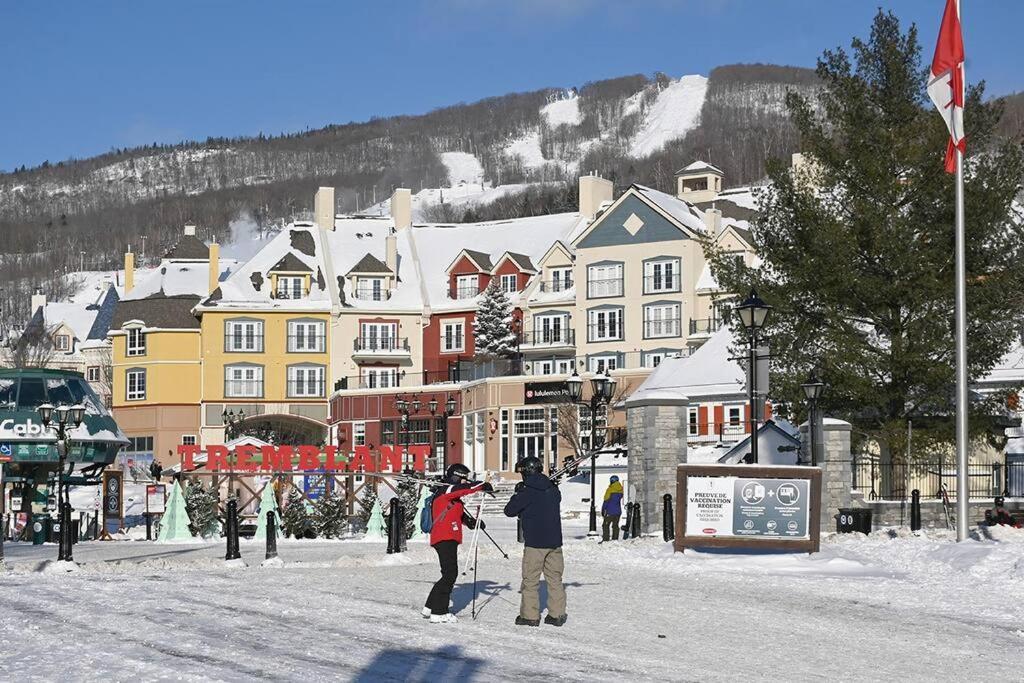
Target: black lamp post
(232, 423)
(447, 411)
(813, 389)
(602, 388)
(68, 417)
(753, 312)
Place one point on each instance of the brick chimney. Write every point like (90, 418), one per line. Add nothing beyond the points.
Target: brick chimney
(401, 208)
(214, 266)
(323, 208)
(713, 221)
(129, 270)
(594, 191)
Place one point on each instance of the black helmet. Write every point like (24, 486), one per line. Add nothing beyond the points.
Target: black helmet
(456, 473)
(529, 465)
(1000, 501)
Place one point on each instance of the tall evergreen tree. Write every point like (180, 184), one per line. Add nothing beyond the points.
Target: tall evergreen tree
(492, 328)
(857, 248)
(329, 515)
(201, 504)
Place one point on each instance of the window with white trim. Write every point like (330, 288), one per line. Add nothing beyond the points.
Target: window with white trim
(306, 336)
(370, 288)
(290, 286)
(135, 342)
(378, 377)
(243, 381)
(358, 433)
(509, 284)
(135, 384)
(92, 373)
(553, 366)
(306, 381)
(692, 424)
(188, 440)
(653, 359)
(561, 279)
(467, 286)
(604, 280)
(603, 363)
(604, 324)
(62, 342)
(661, 320)
(452, 336)
(661, 276)
(243, 336)
(550, 329)
(378, 337)
(735, 416)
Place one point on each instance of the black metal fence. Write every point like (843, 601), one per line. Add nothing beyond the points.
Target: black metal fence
(895, 480)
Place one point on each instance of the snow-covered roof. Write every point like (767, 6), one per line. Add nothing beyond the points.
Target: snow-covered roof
(700, 166)
(708, 372)
(175, 278)
(1010, 368)
(683, 212)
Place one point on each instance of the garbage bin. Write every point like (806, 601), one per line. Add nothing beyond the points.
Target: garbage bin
(850, 520)
(40, 528)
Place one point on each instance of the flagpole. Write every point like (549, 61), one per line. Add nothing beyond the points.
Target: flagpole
(962, 484)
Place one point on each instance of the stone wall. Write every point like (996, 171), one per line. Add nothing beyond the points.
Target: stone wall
(836, 469)
(656, 437)
(893, 513)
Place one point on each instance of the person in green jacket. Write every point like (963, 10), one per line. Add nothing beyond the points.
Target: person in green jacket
(611, 509)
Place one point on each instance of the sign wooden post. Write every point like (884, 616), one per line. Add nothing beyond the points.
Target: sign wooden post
(113, 502)
(748, 506)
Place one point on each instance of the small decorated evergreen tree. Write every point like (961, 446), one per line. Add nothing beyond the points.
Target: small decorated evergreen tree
(329, 515)
(492, 328)
(268, 502)
(201, 504)
(296, 521)
(375, 530)
(367, 501)
(174, 524)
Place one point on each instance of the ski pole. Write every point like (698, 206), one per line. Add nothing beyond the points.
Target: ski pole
(494, 542)
(475, 563)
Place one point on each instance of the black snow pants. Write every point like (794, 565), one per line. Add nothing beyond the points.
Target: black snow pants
(441, 593)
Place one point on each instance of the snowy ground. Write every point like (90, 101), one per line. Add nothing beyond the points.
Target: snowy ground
(863, 609)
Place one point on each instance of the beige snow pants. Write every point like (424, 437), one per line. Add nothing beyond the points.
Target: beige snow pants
(550, 562)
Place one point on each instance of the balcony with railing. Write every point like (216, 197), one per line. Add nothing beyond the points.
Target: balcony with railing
(703, 328)
(307, 343)
(554, 286)
(368, 293)
(243, 388)
(306, 388)
(547, 339)
(381, 346)
(668, 327)
(660, 284)
(599, 332)
(464, 292)
(599, 289)
(243, 343)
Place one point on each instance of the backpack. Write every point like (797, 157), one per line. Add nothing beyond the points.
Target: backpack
(427, 514)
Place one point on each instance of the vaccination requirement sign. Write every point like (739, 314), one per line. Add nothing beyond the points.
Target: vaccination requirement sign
(748, 506)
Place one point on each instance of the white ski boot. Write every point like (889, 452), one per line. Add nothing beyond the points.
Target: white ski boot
(426, 612)
(443, 618)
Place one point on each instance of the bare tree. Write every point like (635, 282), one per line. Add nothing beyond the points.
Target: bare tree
(32, 349)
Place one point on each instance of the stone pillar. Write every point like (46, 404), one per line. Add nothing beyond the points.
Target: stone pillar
(836, 468)
(656, 437)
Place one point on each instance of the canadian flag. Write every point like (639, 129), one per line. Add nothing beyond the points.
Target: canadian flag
(946, 85)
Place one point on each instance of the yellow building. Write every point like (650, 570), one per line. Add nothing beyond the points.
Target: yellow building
(156, 352)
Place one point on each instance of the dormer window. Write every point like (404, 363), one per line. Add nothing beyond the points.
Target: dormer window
(561, 279)
(62, 342)
(290, 286)
(467, 286)
(509, 284)
(370, 288)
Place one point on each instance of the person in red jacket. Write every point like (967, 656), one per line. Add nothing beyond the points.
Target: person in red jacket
(446, 535)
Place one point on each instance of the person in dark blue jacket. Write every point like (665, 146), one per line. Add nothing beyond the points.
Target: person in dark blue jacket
(537, 503)
(611, 509)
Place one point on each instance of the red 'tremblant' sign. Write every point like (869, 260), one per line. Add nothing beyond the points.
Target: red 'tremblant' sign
(250, 458)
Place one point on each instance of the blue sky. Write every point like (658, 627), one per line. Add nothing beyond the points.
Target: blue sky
(83, 77)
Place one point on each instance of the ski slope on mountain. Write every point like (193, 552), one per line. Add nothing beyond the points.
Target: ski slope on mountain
(674, 114)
